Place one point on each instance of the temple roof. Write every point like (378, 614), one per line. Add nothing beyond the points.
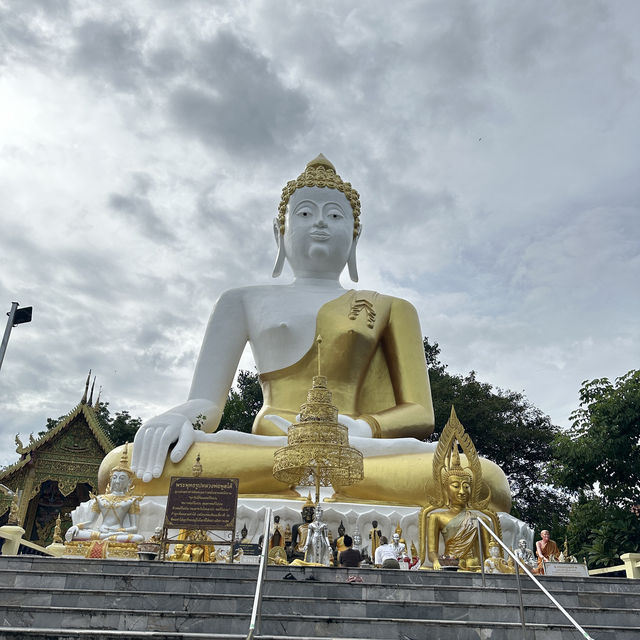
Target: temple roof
(92, 422)
(27, 452)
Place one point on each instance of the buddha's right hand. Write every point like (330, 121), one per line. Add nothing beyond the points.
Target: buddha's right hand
(152, 442)
(72, 531)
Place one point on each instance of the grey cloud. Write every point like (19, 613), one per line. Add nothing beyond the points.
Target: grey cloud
(136, 208)
(240, 105)
(26, 33)
(109, 51)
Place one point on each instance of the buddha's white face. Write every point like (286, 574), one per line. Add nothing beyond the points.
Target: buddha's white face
(120, 482)
(318, 232)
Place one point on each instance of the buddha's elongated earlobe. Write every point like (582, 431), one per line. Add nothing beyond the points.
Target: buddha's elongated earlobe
(351, 260)
(277, 267)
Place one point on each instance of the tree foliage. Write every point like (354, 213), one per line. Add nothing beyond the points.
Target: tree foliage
(242, 405)
(507, 429)
(600, 454)
(120, 428)
(598, 460)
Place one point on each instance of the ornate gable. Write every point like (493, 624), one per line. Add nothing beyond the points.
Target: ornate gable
(68, 454)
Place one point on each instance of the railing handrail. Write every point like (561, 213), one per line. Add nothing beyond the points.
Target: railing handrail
(25, 543)
(254, 625)
(526, 570)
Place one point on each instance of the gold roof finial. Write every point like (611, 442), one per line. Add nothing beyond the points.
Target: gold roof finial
(93, 384)
(97, 404)
(319, 342)
(86, 389)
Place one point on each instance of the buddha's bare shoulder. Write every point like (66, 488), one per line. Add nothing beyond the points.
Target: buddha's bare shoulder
(246, 294)
(391, 302)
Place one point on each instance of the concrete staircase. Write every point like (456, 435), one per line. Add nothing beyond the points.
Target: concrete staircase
(60, 599)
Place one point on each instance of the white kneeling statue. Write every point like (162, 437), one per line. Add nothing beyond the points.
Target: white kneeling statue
(114, 514)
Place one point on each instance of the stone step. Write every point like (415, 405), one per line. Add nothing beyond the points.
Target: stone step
(118, 583)
(359, 603)
(228, 573)
(60, 599)
(200, 609)
(302, 626)
(249, 572)
(60, 566)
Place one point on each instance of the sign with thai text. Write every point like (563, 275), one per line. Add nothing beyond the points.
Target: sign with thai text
(202, 503)
(566, 569)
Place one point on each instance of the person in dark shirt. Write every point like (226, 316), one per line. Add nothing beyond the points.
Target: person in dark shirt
(350, 557)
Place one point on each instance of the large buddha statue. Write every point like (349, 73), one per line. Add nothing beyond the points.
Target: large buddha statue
(372, 354)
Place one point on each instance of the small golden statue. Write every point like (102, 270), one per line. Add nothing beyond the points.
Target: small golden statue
(13, 511)
(179, 554)
(461, 500)
(57, 534)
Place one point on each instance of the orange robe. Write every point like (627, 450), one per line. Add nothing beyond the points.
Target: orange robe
(549, 551)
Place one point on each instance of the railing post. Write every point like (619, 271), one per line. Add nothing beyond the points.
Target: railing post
(254, 625)
(536, 581)
(521, 603)
(631, 564)
(481, 549)
(12, 535)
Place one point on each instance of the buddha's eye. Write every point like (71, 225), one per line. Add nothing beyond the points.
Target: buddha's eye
(304, 213)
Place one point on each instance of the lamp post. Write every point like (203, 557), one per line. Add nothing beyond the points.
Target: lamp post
(16, 316)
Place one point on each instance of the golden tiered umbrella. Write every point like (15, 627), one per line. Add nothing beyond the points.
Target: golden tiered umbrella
(318, 451)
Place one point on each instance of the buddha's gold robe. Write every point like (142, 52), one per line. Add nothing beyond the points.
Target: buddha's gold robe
(373, 358)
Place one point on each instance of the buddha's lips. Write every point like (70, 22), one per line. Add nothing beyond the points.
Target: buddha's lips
(320, 235)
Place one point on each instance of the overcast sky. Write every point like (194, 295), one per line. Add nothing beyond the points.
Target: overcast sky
(144, 145)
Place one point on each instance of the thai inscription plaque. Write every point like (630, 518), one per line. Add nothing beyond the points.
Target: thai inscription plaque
(572, 569)
(202, 503)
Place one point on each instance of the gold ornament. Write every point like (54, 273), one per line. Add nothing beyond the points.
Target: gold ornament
(318, 452)
(320, 173)
(57, 534)
(196, 470)
(13, 510)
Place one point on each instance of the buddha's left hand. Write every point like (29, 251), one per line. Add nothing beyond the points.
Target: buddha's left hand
(357, 427)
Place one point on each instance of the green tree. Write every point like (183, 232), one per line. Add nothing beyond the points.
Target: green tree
(243, 404)
(598, 460)
(600, 454)
(120, 428)
(507, 429)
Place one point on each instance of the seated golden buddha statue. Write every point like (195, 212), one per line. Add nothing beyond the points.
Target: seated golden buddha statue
(372, 356)
(462, 497)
